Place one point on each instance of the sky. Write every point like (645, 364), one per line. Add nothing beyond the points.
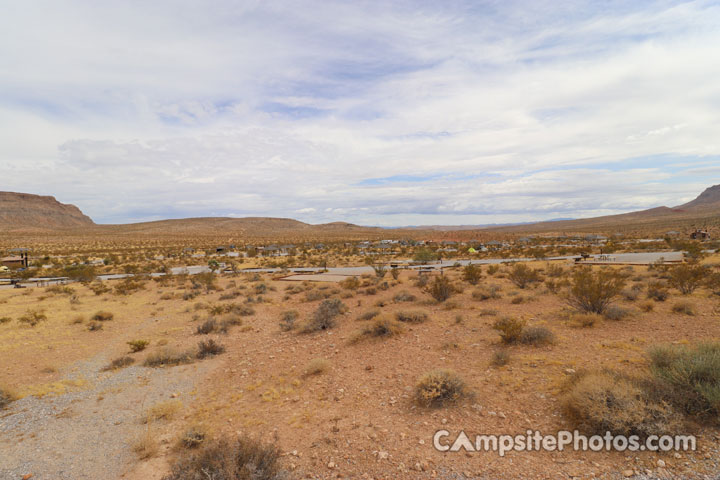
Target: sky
(371, 112)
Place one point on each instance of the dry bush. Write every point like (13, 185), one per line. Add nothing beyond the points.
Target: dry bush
(687, 277)
(288, 319)
(657, 291)
(421, 281)
(162, 411)
(244, 459)
(128, 286)
(207, 327)
(500, 358)
(486, 293)
(33, 317)
(647, 306)
(684, 307)
(102, 316)
(472, 274)
(145, 446)
(193, 437)
(601, 401)
(168, 357)
(369, 315)
(585, 320)
(5, 320)
(350, 283)
(517, 299)
(440, 288)
(209, 348)
(693, 374)
(536, 336)
(316, 366)
(488, 312)
(522, 275)
(120, 362)
(138, 345)
(404, 297)
(411, 316)
(324, 316)
(510, 329)
(616, 312)
(395, 273)
(381, 327)
(7, 396)
(95, 326)
(554, 270)
(592, 291)
(439, 388)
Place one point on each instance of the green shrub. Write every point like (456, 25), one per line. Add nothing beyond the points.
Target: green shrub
(592, 292)
(694, 375)
(138, 345)
(510, 329)
(472, 273)
(522, 275)
(439, 388)
(440, 288)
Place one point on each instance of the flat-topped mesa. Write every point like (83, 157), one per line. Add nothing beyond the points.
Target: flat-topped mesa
(24, 211)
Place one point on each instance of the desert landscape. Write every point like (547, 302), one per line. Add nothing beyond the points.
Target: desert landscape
(338, 351)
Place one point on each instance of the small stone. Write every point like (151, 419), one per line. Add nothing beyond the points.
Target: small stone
(628, 473)
(677, 455)
(331, 465)
(569, 371)
(382, 455)
(660, 463)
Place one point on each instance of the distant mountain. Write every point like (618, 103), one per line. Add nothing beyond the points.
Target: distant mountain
(703, 212)
(27, 212)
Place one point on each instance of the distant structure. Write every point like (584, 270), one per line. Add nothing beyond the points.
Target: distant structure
(699, 234)
(19, 260)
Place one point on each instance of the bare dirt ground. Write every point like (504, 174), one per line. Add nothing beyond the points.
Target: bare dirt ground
(355, 419)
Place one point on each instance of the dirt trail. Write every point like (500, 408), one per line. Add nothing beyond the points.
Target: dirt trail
(87, 433)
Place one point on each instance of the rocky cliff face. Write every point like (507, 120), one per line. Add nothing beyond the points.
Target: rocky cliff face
(24, 211)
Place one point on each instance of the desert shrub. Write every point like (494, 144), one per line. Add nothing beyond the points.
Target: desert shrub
(167, 358)
(5, 320)
(440, 288)
(517, 299)
(315, 295)
(208, 326)
(128, 286)
(536, 336)
(99, 288)
(138, 345)
(421, 281)
(193, 437)
(411, 316)
(216, 309)
(145, 446)
(522, 275)
(712, 282)
(380, 327)
(243, 310)
(209, 348)
(630, 294)
(684, 307)
(102, 316)
(647, 306)
(60, 290)
(369, 315)
(7, 396)
(395, 273)
(120, 362)
(370, 291)
(616, 312)
(585, 320)
(657, 291)
(324, 316)
(687, 278)
(33, 317)
(510, 329)
(162, 411)
(316, 366)
(350, 283)
(379, 269)
(472, 274)
(487, 312)
(486, 293)
(500, 358)
(287, 320)
(694, 375)
(95, 326)
(554, 270)
(243, 459)
(601, 401)
(592, 291)
(553, 285)
(404, 297)
(439, 388)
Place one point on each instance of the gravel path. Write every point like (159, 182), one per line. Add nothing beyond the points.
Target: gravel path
(86, 433)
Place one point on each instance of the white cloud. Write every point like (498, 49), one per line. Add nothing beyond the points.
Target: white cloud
(503, 112)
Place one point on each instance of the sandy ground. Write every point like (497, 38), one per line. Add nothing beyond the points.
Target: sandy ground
(355, 420)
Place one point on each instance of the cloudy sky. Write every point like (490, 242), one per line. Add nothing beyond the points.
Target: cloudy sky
(378, 113)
